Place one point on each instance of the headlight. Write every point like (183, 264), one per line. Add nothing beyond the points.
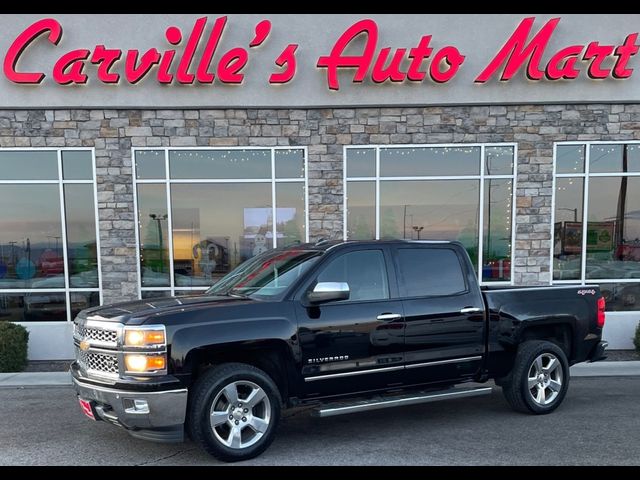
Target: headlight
(144, 337)
(136, 363)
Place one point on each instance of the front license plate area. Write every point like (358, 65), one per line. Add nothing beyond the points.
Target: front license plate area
(87, 408)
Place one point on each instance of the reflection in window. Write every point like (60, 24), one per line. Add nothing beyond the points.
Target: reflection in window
(362, 162)
(418, 161)
(570, 159)
(220, 164)
(221, 210)
(621, 297)
(82, 250)
(614, 158)
(613, 230)
(365, 273)
(431, 210)
(361, 209)
(218, 227)
(32, 237)
(31, 247)
(436, 209)
(498, 203)
(499, 160)
(289, 163)
(612, 216)
(567, 241)
(28, 165)
(154, 235)
(150, 165)
(290, 213)
(77, 165)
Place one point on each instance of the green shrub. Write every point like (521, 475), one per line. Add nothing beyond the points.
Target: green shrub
(636, 340)
(13, 347)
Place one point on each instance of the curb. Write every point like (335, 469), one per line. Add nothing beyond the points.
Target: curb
(35, 379)
(63, 379)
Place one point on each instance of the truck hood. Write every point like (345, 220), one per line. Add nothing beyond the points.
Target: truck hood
(137, 312)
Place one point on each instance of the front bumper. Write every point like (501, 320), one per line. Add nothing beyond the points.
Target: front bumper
(598, 353)
(157, 416)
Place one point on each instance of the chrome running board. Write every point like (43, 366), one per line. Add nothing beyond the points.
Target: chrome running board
(411, 398)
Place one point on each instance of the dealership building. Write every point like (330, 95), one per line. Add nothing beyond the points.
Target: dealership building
(146, 156)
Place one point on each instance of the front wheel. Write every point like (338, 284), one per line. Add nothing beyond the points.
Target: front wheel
(234, 412)
(539, 380)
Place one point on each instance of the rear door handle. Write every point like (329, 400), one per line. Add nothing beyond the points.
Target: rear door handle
(468, 310)
(389, 317)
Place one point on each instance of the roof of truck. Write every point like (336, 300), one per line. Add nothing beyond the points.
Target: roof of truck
(325, 245)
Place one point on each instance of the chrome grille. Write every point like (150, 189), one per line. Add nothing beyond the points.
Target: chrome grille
(95, 334)
(98, 362)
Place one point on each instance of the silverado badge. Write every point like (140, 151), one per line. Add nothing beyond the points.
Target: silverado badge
(84, 345)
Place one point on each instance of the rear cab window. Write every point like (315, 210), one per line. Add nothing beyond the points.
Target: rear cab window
(430, 272)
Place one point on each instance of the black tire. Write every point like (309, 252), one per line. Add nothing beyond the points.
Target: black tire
(515, 387)
(209, 387)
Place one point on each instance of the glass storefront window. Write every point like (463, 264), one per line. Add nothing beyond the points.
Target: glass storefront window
(150, 165)
(82, 247)
(31, 237)
(613, 228)
(567, 241)
(289, 163)
(431, 210)
(220, 164)
(610, 253)
(28, 165)
(621, 297)
(570, 159)
(429, 161)
(153, 235)
(498, 217)
(362, 163)
(45, 223)
(434, 208)
(214, 211)
(77, 165)
(361, 214)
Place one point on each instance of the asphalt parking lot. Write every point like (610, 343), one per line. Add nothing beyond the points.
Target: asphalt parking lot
(598, 424)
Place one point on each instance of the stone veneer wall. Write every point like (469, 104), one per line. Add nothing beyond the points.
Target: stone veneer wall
(325, 131)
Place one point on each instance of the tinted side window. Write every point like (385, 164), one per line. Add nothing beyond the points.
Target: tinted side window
(430, 272)
(364, 271)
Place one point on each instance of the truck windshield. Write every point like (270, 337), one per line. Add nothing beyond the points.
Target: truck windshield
(267, 275)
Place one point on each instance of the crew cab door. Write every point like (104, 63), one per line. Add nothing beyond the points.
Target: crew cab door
(444, 312)
(356, 344)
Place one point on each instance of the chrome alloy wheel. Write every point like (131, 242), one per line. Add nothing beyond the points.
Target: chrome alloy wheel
(240, 415)
(545, 379)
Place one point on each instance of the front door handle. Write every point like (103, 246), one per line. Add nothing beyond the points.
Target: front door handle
(468, 310)
(389, 317)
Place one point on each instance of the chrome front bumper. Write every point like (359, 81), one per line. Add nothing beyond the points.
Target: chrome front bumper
(157, 416)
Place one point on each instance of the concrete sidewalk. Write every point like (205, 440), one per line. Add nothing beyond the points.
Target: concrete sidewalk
(59, 379)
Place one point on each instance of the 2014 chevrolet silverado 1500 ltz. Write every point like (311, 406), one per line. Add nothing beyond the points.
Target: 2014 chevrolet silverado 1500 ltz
(343, 327)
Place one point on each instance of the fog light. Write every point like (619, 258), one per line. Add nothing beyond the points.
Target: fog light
(136, 406)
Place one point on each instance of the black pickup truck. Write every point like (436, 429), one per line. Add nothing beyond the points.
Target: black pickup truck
(340, 327)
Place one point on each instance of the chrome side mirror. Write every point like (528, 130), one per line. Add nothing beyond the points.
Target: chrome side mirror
(328, 292)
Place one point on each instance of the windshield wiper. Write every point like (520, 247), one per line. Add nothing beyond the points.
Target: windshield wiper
(234, 294)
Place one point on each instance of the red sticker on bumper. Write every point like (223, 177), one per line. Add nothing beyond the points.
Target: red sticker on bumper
(87, 409)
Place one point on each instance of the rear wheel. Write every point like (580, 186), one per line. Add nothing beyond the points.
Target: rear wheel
(539, 380)
(234, 412)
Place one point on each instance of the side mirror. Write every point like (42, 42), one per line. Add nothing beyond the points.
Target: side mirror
(329, 292)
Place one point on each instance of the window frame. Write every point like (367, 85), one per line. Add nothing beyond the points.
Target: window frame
(482, 178)
(167, 182)
(67, 290)
(585, 176)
